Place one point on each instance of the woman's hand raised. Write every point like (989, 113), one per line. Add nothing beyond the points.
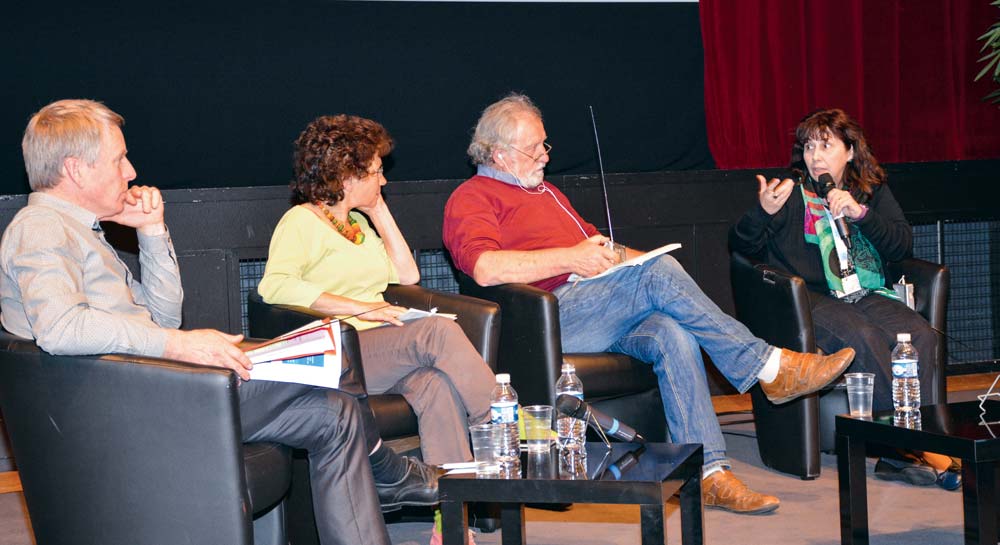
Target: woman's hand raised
(773, 194)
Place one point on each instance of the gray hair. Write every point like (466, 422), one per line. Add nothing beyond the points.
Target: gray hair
(497, 124)
(63, 129)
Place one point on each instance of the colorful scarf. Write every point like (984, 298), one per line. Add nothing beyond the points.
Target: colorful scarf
(866, 260)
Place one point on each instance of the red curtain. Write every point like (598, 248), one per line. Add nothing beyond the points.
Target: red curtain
(903, 68)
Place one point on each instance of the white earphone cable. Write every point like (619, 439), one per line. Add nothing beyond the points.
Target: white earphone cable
(542, 189)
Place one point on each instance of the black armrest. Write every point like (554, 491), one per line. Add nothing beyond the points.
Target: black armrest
(930, 288)
(123, 449)
(773, 304)
(479, 319)
(268, 321)
(931, 282)
(532, 345)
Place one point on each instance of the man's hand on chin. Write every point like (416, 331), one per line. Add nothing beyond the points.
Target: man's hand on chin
(143, 210)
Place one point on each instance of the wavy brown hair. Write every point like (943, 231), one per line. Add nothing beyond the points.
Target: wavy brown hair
(863, 172)
(331, 150)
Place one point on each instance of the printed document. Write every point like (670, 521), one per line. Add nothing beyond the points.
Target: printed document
(308, 355)
(637, 260)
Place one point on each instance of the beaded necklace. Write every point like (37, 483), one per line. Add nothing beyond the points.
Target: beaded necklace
(351, 231)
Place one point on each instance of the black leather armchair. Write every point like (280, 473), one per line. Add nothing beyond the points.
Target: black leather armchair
(774, 305)
(531, 351)
(479, 320)
(124, 449)
(397, 424)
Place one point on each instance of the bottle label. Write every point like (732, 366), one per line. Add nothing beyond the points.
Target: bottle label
(575, 393)
(504, 412)
(904, 369)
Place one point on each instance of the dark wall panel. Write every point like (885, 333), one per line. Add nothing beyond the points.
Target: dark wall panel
(214, 93)
(213, 229)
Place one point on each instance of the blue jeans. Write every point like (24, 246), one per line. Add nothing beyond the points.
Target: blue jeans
(656, 313)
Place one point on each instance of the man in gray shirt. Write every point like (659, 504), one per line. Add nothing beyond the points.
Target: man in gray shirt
(63, 285)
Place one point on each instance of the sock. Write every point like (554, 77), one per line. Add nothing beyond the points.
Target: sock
(387, 466)
(770, 370)
(707, 472)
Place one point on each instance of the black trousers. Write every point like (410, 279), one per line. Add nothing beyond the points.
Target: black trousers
(870, 327)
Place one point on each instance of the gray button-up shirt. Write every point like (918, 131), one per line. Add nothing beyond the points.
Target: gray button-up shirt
(62, 284)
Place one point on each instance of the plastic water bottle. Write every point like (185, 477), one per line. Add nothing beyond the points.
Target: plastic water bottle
(503, 412)
(572, 431)
(905, 382)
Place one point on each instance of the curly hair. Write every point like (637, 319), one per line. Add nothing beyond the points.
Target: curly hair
(331, 150)
(863, 172)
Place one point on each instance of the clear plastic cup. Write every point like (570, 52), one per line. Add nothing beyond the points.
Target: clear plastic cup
(485, 444)
(538, 427)
(860, 388)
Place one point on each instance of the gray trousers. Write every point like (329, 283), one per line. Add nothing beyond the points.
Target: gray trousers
(329, 425)
(432, 364)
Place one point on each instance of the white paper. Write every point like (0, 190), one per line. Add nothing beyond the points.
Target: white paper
(326, 374)
(313, 358)
(635, 261)
(297, 343)
(460, 465)
(416, 314)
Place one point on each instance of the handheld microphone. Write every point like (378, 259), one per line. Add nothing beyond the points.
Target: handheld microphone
(826, 183)
(574, 407)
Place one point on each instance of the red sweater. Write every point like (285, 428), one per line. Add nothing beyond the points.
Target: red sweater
(485, 214)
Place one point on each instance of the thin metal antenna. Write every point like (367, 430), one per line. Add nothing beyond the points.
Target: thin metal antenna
(600, 166)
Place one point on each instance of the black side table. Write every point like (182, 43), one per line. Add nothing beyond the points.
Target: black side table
(953, 429)
(648, 480)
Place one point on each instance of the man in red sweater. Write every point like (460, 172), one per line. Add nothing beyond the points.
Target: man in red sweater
(507, 224)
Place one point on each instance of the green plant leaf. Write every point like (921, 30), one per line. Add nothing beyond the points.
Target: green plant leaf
(991, 40)
(991, 59)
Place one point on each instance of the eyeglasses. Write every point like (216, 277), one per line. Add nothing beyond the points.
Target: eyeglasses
(546, 145)
(375, 173)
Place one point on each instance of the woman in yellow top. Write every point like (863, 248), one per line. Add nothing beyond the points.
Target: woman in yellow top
(325, 255)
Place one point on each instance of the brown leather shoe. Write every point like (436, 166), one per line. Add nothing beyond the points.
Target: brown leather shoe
(802, 374)
(722, 490)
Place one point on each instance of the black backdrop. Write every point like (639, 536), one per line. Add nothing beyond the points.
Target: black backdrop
(213, 95)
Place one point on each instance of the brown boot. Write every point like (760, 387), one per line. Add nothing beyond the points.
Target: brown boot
(802, 374)
(722, 490)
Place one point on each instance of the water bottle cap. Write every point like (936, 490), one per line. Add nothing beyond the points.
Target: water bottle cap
(568, 368)
(503, 378)
(902, 337)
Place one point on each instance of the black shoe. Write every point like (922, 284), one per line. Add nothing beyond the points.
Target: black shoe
(888, 469)
(419, 486)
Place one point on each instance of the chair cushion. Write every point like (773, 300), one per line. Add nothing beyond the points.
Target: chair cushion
(608, 375)
(269, 473)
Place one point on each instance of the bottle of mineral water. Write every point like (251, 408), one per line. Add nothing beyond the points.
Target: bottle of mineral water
(572, 431)
(503, 412)
(905, 382)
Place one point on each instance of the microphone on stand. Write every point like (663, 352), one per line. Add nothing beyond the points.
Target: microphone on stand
(574, 407)
(626, 462)
(826, 183)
